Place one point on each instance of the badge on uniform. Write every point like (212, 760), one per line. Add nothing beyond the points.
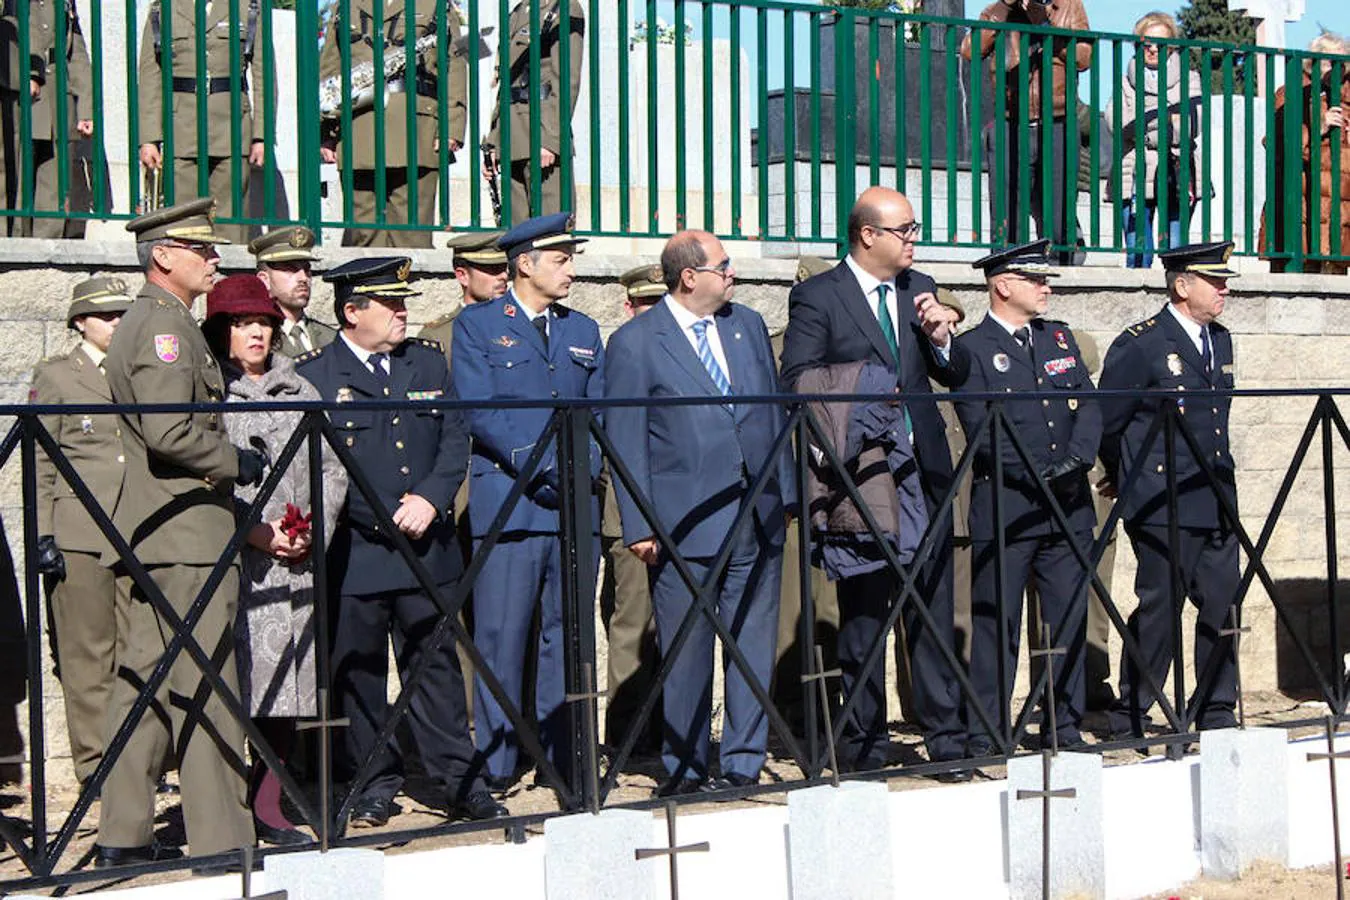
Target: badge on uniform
(1174, 363)
(1061, 341)
(1061, 365)
(583, 352)
(1073, 404)
(1001, 362)
(166, 347)
(425, 395)
(86, 425)
(505, 341)
(344, 395)
(510, 310)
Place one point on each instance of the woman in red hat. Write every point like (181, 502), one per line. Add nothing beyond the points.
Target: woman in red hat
(274, 632)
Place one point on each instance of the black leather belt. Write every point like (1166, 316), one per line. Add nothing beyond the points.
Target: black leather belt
(219, 85)
(522, 94)
(426, 87)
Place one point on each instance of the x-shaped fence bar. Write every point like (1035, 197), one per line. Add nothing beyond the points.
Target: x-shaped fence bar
(573, 428)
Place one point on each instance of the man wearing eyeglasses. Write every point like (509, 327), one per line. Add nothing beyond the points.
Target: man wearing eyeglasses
(176, 508)
(874, 307)
(696, 465)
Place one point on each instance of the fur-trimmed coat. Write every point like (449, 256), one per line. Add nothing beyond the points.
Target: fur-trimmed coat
(274, 632)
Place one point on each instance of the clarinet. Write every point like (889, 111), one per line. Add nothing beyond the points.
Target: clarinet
(494, 189)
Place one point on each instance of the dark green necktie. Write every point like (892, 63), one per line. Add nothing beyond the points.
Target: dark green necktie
(887, 325)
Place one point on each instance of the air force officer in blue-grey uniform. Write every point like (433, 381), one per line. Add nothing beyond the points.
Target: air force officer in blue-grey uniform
(1015, 350)
(522, 345)
(695, 464)
(415, 460)
(1181, 348)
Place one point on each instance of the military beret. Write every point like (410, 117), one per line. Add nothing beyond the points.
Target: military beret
(811, 266)
(644, 282)
(1203, 259)
(284, 245)
(190, 221)
(1023, 259)
(241, 295)
(551, 232)
(477, 248)
(370, 276)
(98, 295)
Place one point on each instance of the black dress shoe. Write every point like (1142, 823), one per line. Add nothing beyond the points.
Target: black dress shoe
(106, 857)
(1100, 698)
(954, 776)
(373, 812)
(730, 781)
(479, 806)
(979, 748)
(683, 787)
(282, 837)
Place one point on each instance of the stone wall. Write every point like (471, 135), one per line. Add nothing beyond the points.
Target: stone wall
(1290, 332)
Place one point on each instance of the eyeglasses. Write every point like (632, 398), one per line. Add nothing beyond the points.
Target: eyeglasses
(905, 232)
(205, 251)
(720, 269)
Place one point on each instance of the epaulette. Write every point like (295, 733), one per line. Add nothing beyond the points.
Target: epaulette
(426, 342)
(443, 320)
(1141, 327)
(309, 355)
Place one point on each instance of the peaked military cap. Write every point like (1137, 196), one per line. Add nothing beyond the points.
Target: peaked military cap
(191, 221)
(1023, 259)
(644, 282)
(1203, 259)
(811, 266)
(284, 245)
(477, 248)
(551, 232)
(98, 295)
(370, 276)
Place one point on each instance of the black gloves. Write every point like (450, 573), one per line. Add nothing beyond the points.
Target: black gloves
(543, 489)
(1066, 481)
(1070, 465)
(49, 558)
(252, 462)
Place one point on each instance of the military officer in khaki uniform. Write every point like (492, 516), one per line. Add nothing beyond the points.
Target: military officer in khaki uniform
(176, 510)
(176, 33)
(47, 163)
(787, 685)
(547, 106)
(625, 597)
(71, 549)
(16, 76)
(286, 260)
(359, 149)
(480, 268)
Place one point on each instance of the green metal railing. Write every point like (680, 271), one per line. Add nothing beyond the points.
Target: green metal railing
(742, 119)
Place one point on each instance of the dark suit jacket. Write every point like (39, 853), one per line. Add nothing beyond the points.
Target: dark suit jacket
(1051, 428)
(423, 451)
(1158, 353)
(693, 462)
(830, 321)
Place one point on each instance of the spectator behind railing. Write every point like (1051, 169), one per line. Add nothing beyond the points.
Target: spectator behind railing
(1140, 190)
(274, 629)
(1062, 167)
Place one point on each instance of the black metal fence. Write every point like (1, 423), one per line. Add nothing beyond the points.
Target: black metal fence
(584, 777)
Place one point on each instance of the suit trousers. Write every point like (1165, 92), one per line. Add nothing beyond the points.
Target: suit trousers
(550, 191)
(864, 604)
(436, 713)
(1208, 561)
(219, 172)
(1061, 168)
(522, 577)
(395, 203)
(746, 602)
(787, 685)
(84, 631)
(1049, 560)
(208, 742)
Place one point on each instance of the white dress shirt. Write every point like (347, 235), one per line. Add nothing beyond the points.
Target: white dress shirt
(531, 315)
(289, 325)
(686, 320)
(1009, 327)
(1193, 330)
(364, 355)
(869, 283)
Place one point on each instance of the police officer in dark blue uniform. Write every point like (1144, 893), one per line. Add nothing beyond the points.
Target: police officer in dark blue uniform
(1181, 348)
(1014, 350)
(416, 460)
(522, 345)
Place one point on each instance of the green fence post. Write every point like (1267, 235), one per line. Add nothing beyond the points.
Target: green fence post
(845, 124)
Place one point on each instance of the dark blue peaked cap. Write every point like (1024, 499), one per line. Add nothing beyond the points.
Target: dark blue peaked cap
(1025, 259)
(551, 232)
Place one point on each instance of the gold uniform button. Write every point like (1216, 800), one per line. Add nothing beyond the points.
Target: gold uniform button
(1045, 403)
(349, 424)
(404, 469)
(398, 445)
(1218, 431)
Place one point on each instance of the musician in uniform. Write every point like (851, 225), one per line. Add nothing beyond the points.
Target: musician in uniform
(415, 460)
(16, 77)
(176, 508)
(1181, 348)
(546, 105)
(286, 260)
(365, 150)
(480, 268)
(71, 549)
(47, 161)
(174, 36)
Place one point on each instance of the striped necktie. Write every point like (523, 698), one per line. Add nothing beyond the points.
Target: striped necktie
(705, 356)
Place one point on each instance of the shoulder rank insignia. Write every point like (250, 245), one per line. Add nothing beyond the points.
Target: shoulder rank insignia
(308, 355)
(1141, 327)
(427, 342)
